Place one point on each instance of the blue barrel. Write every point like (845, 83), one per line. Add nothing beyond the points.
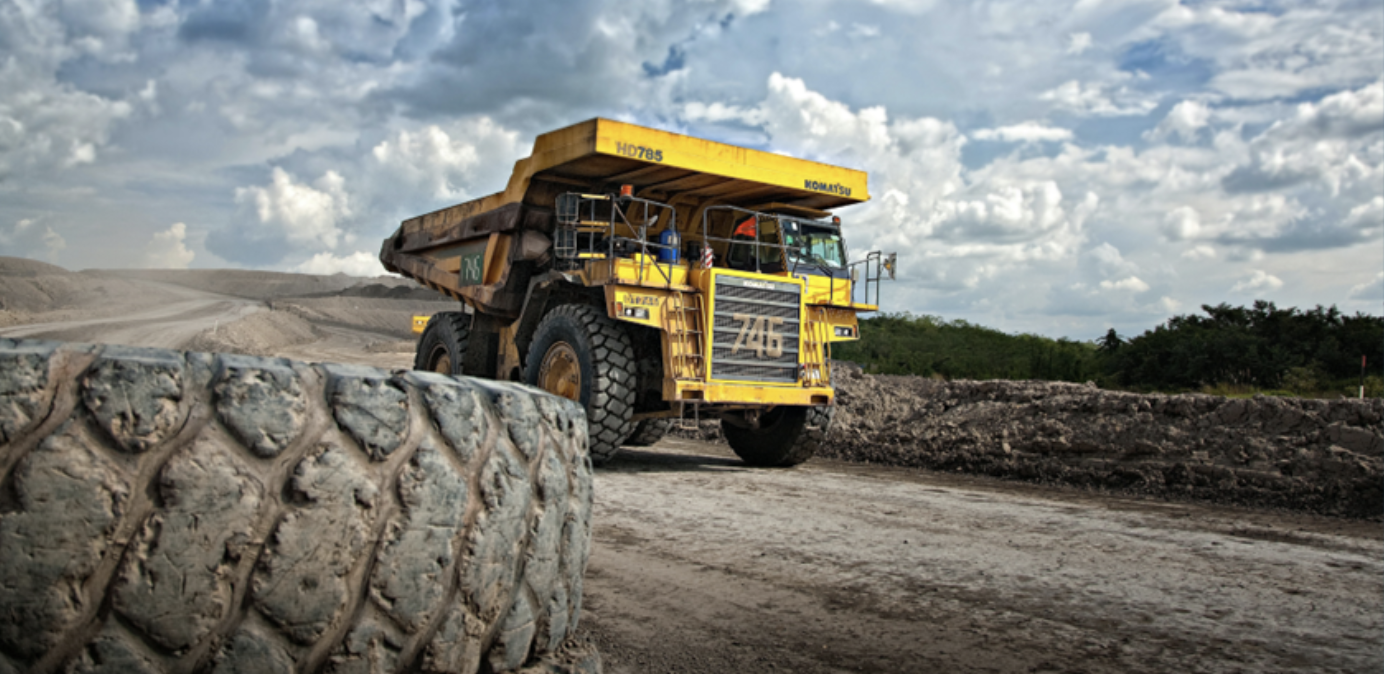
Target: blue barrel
(670, 242)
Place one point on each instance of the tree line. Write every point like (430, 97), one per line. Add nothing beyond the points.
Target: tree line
(1224, 348)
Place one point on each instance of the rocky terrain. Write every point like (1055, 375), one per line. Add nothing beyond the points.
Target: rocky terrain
(1320, 456)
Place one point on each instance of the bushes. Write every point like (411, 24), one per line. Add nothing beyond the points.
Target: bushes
(1229, 349)
(1260, 347)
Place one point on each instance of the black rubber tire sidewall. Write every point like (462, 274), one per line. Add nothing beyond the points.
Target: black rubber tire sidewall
(607, 394)
(448, 330)
(788, 435)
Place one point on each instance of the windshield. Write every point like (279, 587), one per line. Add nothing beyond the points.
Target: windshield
(812, 243)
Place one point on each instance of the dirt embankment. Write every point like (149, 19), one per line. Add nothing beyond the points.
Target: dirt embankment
(265, 333)
(1320, 456)
(383, 315)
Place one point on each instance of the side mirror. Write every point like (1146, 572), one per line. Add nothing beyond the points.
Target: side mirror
(890, 263)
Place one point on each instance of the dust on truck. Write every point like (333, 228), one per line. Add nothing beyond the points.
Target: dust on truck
(653, 277)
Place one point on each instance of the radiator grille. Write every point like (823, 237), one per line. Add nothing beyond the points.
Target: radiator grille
(764, 319)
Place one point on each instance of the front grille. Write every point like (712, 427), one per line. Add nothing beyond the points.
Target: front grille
(755, 330)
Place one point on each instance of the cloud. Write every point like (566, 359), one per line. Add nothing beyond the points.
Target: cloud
(1201, 252)
(1183, 121)
(298, 212)
(1130, 284)
(1369, 290)
(444, 163)
(167, 249)
(1182, 223)
(1078, 43)
(359, 263)
(1324, 141)
(1097, 99)
(1026, 132)
(28, 238)
(1259, 281)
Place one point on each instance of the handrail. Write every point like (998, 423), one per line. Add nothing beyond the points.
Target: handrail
(572, 226)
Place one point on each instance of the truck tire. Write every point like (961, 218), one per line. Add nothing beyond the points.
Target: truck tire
(787, 436)
(442, 346)
(649, 431)
(581, 354)
(163, 511)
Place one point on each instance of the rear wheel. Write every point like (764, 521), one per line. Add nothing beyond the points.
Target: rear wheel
(581, 354)
(442, 347)
(786, 435)
(649, 431)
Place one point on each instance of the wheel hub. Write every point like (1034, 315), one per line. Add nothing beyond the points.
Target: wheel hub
(560, 372)
(442, 362)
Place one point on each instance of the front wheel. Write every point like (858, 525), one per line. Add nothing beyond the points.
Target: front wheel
(442, 346)
(581, 354)
(787, 435)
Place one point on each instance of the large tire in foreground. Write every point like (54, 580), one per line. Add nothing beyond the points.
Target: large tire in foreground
(442, 346)
(787, 436)
(163, 511)
(649, 431)
(580, 353)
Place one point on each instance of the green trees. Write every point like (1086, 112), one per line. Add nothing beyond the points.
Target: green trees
(929, 345)
(1260, 347)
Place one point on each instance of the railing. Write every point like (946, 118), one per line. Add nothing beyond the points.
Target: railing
(594, 226)
(875, 265)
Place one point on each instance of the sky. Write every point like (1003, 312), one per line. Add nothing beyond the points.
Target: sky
(1053, 167)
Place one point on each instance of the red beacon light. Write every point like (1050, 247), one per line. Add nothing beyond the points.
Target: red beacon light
(626, 191)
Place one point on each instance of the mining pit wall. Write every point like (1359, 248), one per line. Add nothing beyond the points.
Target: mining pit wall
(1319, 456)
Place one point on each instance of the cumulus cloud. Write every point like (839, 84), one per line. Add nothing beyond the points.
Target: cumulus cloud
(1183, 121)
(1321, 141)
(1129, 283)
(1259, 281)
(299, 212)
(168, 249)
(28, 238)
(1025, 132)
(1182, 223)
(359, 263)
(1098, 99)
(444, 163)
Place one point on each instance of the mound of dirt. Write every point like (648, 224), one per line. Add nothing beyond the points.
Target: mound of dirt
(19, 266)
(258, 285)
(388, 316)
(1320, 456)
(263, 333)
(395, 289)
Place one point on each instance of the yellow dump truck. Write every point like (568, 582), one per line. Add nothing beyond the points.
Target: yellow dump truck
(653, 277)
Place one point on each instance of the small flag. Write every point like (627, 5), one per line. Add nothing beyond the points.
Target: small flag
(747, 228)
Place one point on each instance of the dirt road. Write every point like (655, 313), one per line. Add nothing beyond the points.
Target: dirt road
(700, 565)
(169, 324)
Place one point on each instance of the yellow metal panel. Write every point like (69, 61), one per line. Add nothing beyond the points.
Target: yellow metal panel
(705, 156)
(420, 323)
(619, 298)
(756, 393)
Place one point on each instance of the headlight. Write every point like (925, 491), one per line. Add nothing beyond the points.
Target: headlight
(635, 312)
(845, 331)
